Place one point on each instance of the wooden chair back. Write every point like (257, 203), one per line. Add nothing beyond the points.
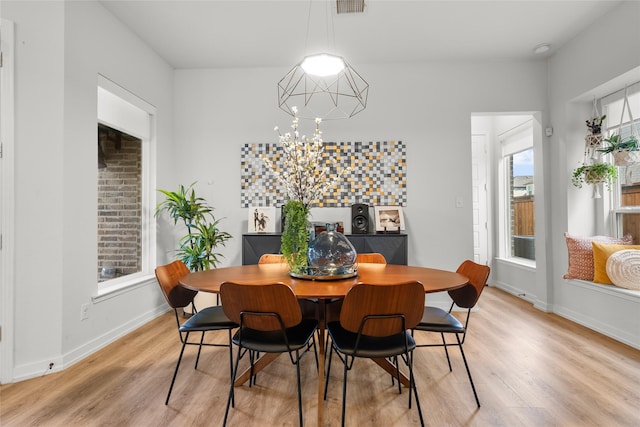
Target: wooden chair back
(364, 300)
(468, 295)
(276, 298)
(372, 257)
(271, 259)
(169, 276)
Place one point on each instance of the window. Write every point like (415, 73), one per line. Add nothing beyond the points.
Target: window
(625, 200)
(126, 244)
(518, 193)
(119, 203)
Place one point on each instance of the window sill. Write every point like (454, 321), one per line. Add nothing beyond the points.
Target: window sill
(121, 288)
(526, 264)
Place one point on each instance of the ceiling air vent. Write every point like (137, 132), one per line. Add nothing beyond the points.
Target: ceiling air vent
(350, 6)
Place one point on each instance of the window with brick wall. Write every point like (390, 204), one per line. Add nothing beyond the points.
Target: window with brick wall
(119, 204)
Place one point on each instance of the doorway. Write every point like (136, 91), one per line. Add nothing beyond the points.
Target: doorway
(502, 176)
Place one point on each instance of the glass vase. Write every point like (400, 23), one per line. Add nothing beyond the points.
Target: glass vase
(331, 255)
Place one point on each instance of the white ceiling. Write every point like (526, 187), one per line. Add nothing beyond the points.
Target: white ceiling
(243, 33)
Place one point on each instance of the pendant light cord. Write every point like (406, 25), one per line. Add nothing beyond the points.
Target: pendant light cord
(306, 39)
(330, 28)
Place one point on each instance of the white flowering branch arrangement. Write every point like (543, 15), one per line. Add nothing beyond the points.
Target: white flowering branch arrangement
(305, 174)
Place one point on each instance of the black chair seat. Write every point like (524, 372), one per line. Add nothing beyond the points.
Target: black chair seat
(273, 342)
(371, 347)
(208, 319)
(435, 319)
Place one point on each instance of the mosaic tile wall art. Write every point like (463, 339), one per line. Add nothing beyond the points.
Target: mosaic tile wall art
(379, 174)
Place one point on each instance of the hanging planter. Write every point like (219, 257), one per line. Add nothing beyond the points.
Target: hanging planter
(626, 157)
(593, 140)
(594, 137)
(625, 150)
(595, 174)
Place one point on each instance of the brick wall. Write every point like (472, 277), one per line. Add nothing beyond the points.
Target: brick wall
(119, 205)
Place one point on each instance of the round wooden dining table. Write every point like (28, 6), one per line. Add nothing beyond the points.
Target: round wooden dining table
(433, 280)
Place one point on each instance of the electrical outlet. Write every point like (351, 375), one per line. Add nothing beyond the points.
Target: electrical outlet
(84, 311)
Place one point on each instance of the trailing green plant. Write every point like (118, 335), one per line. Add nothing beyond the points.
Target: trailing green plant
(595, 124)
(593, 174)
(615, 142)
(197, 249)
(295, 236)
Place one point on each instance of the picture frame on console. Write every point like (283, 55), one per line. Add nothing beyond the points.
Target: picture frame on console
(261, 219)
(389, 219)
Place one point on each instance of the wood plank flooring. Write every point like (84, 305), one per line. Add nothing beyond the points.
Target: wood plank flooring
(530, 369)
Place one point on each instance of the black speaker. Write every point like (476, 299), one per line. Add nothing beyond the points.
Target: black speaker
(359, 219)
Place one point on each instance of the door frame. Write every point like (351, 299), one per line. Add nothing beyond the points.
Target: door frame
(7, 200)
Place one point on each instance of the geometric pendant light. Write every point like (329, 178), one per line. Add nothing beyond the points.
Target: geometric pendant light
(336, 92)
(323, 86)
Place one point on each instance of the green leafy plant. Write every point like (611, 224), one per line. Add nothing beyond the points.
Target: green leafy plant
(295, 236)
(593, 174)
(197, 249)
(615, 142)
(595, 124)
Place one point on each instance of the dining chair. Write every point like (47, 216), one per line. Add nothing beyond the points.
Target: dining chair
(372, 257)
(271, 259)
(335, 304)
(374, 323)
(307, 305)
(270, 322)
(207, 319)
(437, 320)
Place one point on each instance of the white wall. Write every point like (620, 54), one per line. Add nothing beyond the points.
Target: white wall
(427, 106)
(60, 50)
(39, 94)
(599, 61)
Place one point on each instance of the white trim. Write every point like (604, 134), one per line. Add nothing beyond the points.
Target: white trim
(522, 263)
(8, 200)
(40, 367)
(611, 290)
(125, 111)
(123, 287)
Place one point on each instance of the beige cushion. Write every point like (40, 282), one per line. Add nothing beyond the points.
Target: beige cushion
(581, 254)
(623, 267)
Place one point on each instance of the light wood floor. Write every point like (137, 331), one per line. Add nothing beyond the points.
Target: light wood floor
(530, 369)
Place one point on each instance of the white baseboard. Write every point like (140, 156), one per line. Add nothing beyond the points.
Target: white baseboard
(41, 367)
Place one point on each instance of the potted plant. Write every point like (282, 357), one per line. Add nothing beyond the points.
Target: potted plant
(305, 174)
(594, 137)
(595, 174)
(625, 151)
(197, 248)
